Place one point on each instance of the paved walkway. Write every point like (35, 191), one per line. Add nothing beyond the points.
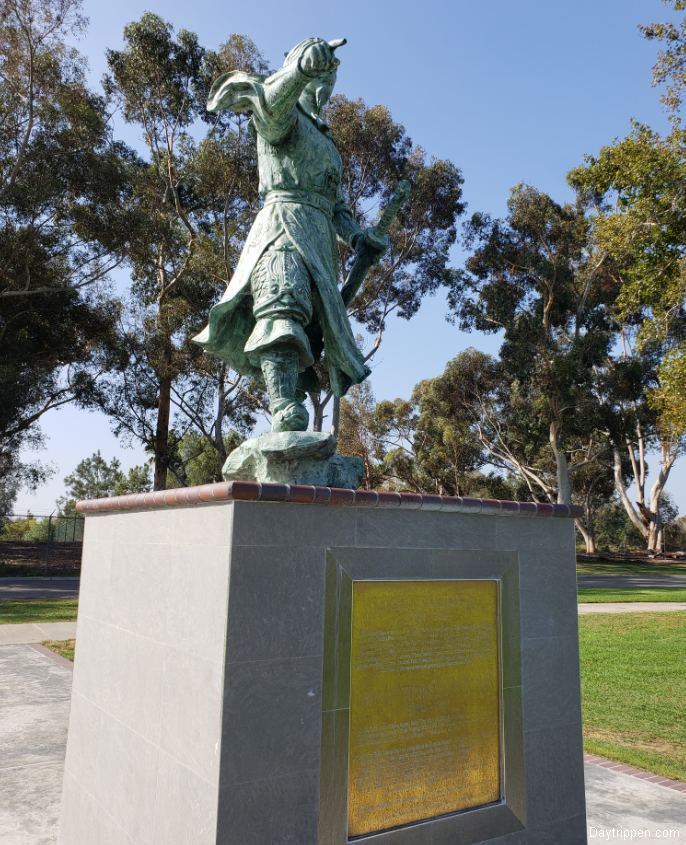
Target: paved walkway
(631, 606)
(617, 804)
(34, 711)
(39, 587)
(626, 582)
(34, 632)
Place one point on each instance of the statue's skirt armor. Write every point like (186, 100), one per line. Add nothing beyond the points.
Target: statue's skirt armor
(281, 289)
(238, 325)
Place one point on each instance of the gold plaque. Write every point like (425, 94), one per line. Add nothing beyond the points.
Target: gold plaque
(424, 701)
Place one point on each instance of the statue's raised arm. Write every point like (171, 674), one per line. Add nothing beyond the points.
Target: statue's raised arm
(272, 101)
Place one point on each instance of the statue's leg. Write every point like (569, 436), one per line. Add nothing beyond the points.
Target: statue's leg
(280, 366)
(282, 306)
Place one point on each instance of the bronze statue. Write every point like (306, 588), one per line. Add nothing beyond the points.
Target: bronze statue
(284, 299)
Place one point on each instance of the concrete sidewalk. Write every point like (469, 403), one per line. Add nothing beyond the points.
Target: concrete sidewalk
(34, 712)
(619, 802)
(631, 606)
(36, 632)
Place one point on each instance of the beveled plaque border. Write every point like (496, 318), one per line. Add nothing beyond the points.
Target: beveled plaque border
(345, 565)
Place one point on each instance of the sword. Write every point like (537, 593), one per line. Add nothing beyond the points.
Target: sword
(365, 257)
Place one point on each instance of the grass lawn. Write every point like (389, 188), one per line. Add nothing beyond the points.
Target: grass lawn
(627, 568)
(600, 594)
(62, 647)
(633, 676)
(37, 610)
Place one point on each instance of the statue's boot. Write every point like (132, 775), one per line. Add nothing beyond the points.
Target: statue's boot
(280, 371)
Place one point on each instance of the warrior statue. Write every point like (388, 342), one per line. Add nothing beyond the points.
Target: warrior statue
(284, 299)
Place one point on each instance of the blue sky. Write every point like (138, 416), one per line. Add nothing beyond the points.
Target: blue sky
(510, 92)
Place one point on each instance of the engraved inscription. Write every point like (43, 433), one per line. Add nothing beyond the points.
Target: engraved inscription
(424, 710)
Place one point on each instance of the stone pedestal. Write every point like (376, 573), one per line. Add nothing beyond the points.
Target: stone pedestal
(213, 687)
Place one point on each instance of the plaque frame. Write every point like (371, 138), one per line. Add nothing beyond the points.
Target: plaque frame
(343, 567)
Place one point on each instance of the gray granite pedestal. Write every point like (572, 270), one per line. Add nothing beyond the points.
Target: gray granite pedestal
(207, 704)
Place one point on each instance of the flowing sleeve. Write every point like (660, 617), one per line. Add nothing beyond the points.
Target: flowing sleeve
(271, 102)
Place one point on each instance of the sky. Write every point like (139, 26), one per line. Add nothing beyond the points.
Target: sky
(510, 92)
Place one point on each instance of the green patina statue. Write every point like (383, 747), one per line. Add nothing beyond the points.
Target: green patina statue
(284, 299)
(283, 307)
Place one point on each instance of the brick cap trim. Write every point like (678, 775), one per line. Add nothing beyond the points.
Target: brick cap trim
(641, 774)
(252, 491)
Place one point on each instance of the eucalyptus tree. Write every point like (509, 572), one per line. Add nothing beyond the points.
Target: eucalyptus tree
(428, 443)
(636, 436)
(377, 153)
(634, 189)
(637, 201)
(535, 277)
(194, 200)
(355, 435)
(64, 186)
(670, 67)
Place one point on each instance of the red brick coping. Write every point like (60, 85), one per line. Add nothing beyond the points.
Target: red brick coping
(641, 774)
(252, 491)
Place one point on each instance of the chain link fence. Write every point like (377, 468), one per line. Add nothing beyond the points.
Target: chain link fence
(41, 544)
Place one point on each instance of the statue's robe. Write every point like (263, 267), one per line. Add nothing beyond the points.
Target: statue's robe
(300, 172)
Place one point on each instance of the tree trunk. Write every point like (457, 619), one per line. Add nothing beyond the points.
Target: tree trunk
(564, 483)
(655, 535)
(668, 454)
(587, 534)
(336, 416)
(218, 434)
(637, 520)
(317, 411)
(163, 414)
(162, 435)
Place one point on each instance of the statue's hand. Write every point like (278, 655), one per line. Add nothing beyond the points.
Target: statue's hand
(318, 59)
(372, 241)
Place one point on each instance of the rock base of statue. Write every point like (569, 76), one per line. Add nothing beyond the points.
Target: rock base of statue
(294, 457)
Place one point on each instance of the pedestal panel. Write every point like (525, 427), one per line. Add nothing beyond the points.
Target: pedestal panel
(262, 673)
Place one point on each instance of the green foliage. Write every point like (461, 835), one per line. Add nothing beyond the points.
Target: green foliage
(535, 277)
(18, 529)
(65, 648)
(200, 460)
(63, 185)
(613, 528)
(635, 190)
(95, 478)
(676, 534)
(192, 204)
(448, 450)
(422, 445)
(355, 435)
(670, 67)
(600, 595)
(377, 153)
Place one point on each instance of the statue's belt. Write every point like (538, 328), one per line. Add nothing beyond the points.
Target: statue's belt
(301, 197)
